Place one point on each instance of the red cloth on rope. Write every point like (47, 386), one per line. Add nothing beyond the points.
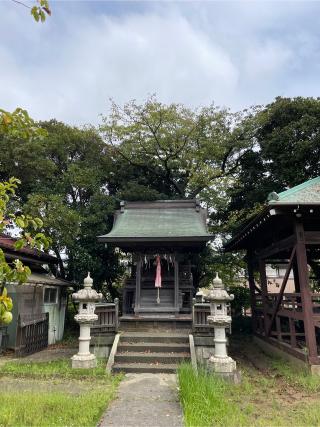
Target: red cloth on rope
(157, 282)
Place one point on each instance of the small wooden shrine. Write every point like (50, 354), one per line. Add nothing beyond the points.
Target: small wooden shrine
(286, 231)
(159, 238)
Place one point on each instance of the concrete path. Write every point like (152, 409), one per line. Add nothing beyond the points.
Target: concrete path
(145, 400)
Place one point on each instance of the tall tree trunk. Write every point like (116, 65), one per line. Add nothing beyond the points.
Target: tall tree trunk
(60, 263)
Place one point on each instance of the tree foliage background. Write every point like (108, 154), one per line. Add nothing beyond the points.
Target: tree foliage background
(74, 178)
(13, 126)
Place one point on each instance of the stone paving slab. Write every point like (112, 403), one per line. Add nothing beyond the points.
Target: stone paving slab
(145, 400)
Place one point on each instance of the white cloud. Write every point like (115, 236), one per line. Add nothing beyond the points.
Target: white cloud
(234, 54)
(267, 60)
(122, 58)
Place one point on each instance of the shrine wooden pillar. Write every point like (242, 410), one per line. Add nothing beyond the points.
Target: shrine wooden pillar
(292, 324)
(264, 293)
(252, 285)
(138, 286)
(305, 292)
(176, 284)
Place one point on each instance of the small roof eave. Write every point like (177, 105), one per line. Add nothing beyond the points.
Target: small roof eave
(246, 230)
(271, 209)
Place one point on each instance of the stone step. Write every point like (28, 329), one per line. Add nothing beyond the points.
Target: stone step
(157, 308)
(156, 337)
(156, 322)
(154, 347)
(156, 358)
(145, 368)
(164, 304)
(153, 298)
(146, 327)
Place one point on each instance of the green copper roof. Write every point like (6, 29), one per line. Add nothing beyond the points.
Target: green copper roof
(303, 194)
(167, 222)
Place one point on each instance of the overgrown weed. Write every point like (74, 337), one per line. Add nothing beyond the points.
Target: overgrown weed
(209, 401)
(206, 400)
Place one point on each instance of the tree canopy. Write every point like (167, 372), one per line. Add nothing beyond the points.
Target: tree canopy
(16, 125)
(74, 178)
(286, 152)
(173, 151)
(64, 182)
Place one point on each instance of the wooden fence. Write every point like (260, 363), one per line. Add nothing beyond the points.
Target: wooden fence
(108, 318)
(32, 335)
(200, 312)
(286, 328)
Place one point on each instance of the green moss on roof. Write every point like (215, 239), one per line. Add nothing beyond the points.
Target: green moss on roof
(306, 193)
(159, 223)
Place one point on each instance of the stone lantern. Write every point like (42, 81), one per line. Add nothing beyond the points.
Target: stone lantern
(87, 297)
(219, 299)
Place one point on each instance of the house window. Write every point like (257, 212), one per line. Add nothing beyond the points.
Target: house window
(50, 295)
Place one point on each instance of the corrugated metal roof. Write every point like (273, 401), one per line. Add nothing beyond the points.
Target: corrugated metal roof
(46, 279)
(7, 244)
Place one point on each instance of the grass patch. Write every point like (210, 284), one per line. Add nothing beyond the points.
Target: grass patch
(258, 401)
(53, 394)
(296, 376)
(55, 408)
(56, 368)
(206, 400)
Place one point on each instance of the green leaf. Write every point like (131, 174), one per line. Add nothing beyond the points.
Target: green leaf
(35, 13)
(20, 222)
(39, 222)
(19, 244)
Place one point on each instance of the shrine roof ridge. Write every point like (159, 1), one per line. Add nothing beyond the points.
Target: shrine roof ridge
(154, 204)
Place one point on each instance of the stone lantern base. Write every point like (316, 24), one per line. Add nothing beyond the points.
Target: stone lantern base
(84, 361)
(224, 367)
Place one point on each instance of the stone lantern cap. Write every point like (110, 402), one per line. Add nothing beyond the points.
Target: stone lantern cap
(219, 295)
(87, 294)
(217, 292)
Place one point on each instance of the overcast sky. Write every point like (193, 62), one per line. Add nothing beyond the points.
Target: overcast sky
(234, 54)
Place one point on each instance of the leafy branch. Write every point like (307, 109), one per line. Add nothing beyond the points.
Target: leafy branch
(40, 11)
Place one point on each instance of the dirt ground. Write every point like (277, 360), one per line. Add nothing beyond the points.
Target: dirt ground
(272, 392)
